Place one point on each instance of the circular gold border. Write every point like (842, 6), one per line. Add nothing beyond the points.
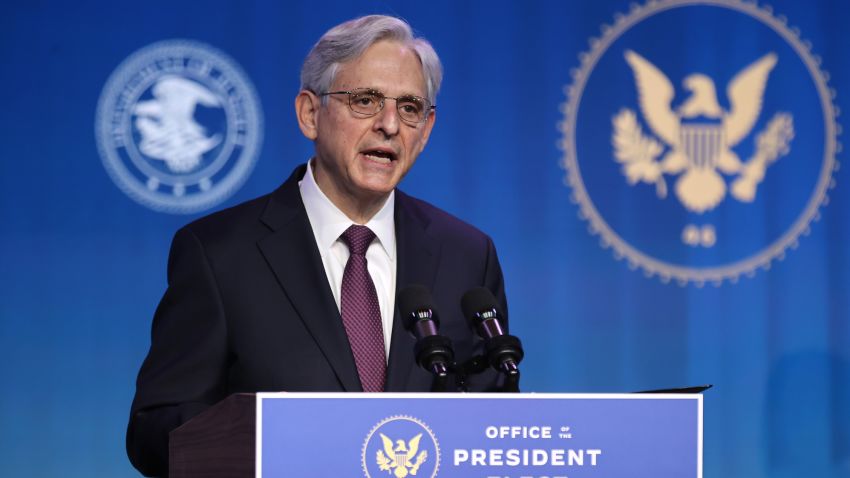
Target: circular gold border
(392, 419)
(654, 267)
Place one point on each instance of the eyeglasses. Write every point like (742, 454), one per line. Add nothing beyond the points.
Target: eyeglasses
(368, 102)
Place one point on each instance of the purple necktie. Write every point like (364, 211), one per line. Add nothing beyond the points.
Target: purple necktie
(360, 312)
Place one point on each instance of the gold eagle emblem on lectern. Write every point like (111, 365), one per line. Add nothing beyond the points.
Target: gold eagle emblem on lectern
(401, 459)
(699, 134)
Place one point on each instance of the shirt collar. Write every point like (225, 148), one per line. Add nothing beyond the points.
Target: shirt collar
(329, 222)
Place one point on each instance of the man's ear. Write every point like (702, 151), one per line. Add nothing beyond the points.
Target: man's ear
(428, 126)
(307, 106)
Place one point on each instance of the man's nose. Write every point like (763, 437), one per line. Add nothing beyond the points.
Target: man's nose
(387, 120)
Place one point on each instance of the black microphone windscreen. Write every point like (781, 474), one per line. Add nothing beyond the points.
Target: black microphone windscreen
(412, 299)
(477, 300)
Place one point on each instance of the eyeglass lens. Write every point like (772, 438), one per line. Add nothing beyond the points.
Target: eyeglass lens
(368, 102)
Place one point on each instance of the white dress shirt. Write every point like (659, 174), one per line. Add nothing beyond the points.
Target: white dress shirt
(328, 223)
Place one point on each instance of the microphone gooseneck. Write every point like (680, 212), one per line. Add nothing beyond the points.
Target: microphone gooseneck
(433, 351)
(504, 351)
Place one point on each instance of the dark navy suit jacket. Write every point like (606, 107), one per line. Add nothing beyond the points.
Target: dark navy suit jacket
(248, 308)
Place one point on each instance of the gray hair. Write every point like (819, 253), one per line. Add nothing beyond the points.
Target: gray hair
(349, 40)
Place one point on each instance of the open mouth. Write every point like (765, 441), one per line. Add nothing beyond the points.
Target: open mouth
(380, 155)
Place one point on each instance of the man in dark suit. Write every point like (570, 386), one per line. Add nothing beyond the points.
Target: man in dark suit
(295, 291)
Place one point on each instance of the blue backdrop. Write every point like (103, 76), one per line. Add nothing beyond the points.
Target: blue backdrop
(612, 285)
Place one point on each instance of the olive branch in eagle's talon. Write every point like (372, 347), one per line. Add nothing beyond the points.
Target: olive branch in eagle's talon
(637, 153)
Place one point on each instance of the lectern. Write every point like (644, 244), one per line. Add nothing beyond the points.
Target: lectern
(443, 435)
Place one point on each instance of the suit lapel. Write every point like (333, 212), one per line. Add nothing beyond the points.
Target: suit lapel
(292, 254)
(417, 255)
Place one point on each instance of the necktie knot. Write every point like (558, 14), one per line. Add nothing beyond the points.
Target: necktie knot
(358, 239)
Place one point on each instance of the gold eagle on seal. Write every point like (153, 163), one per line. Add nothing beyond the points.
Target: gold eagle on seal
(699, 134)
(401, 460)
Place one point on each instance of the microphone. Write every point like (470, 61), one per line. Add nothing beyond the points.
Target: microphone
(433, 351)
(503, 351)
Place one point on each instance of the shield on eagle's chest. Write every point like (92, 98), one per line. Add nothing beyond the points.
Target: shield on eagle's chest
(702, 143)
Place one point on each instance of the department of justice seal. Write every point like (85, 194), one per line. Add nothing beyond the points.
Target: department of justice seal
(689, 158)
(400, 446)
(179, 126)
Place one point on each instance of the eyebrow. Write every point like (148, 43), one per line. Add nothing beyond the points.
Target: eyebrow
(378, 90)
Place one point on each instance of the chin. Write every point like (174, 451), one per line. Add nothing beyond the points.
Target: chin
(381, 185)
(373, 190)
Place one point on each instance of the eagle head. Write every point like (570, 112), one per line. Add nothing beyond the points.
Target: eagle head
(703, 99)
(400, 446)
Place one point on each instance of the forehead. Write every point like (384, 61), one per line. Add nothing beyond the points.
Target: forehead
(390, 66)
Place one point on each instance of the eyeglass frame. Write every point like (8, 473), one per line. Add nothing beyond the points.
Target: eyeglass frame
(383, 97)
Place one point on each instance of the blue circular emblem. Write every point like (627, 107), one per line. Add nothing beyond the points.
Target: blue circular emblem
(179, 126)
(400, 446)
(683, 146)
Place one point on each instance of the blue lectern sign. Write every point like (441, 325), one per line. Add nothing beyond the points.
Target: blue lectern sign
(479, 435)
